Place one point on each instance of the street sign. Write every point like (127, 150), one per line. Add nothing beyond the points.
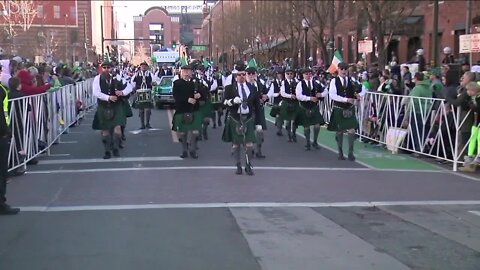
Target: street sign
(365, 46)
(199, 47)
(469, 43)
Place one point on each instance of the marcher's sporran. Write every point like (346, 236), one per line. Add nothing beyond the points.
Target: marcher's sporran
(188, 118)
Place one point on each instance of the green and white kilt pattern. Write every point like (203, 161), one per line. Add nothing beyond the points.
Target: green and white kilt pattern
(179, 125)
(289, 110)
(206, 109)
(231, 131)
(128, 108)
(339, 123)
(316, 117)
(100, 122)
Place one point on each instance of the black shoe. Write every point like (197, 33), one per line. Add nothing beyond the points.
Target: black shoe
(142, 127)
(239, 169)
(294, 138)
(315, 145)
(341, 157)
(248, 169)
(193, 154)
(290, 139)
(214, 126)
(184, 154)
(351, 157)
(205, 136)
(200, 138)
(6, 209)
(260, 155)
(279, 133)
(107, 155)
(148, 126)
(307, 147)
(116, 153)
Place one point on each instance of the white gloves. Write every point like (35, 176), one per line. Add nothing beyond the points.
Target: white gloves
(205, 83)
(237, 100)
(228, 102)
(258, 127)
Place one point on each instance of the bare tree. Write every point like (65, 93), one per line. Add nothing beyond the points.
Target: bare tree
(383, 17)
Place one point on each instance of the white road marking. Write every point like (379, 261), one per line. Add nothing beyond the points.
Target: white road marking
(99, 160)
(240, 205)
(202, 168)
(170, 119)
(68, 142)
(59, 155)
(475, 212)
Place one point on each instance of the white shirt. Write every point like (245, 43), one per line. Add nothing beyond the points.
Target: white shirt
(301, 96)
(283, 92)
(271, 90)
(332, 91)
(97, 91)
(247, 91)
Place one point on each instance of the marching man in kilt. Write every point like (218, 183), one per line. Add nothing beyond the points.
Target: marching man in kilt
(342, 91)
(262, 91)
(309, 92)
(187, 118)
(112, 109)
(143, 81)
(274, 94)
(204, 86)
(243, 104)
(289, 108)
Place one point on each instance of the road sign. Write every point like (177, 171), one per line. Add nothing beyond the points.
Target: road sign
(365, 46)
(199, 47)
(469, 43)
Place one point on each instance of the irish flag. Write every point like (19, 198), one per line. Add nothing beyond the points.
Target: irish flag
(337, 58)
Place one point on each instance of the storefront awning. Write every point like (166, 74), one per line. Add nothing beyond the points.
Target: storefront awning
(280, 43)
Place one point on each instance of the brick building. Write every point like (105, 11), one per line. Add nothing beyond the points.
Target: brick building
(59, 30)
(414, 32)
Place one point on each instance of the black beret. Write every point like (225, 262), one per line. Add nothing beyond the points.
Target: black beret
(307, 70)
(342, 65)
(289, 70)
(251, 70)
(107, 63)
(240, 67)
(187, 67)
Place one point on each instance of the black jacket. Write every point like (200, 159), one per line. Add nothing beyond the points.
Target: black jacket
(4, 129)
(183, 90)
(253, 102)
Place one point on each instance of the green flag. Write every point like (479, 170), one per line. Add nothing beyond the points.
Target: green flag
(183, 61)
(252, 63)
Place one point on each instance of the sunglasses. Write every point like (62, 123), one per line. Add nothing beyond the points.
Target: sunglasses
(106, 67)
(289, 73)
(251, 73)
(343, 68)
(241, 74)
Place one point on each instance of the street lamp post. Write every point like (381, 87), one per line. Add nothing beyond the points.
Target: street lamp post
(305, 27)
(216, 48)
(257, 40)
(66, 39)
(101, 26)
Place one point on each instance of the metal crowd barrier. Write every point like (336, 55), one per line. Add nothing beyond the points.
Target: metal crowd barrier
(38, 121)
(431, 127)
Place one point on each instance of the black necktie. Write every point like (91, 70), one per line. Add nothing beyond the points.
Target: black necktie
(309, 85)
(244, 97)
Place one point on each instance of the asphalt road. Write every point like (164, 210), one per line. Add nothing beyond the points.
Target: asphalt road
(151, 209)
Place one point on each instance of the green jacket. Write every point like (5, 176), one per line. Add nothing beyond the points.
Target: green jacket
(422, 89)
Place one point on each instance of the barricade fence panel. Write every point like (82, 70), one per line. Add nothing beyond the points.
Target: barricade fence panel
(429, 126)
(38, 121)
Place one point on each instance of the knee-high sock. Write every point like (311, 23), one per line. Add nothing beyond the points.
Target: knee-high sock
(307, 134)
(472, 145)
(278, 123)
(339, 139)
(351, 141)
(316, 131)
(116, 140)
(249, 150)
(123, 130)
(148, 113)
(288, 127)
(260, 139)
(193, 142)
(183, 139)
(205, 127)
(214, 118)
(141, 113)
(107, 142)
(236, 154)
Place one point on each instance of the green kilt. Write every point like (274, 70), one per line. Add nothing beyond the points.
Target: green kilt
(206, 109)
(289, 110)
(231, 134)
(315, 118)
(275, 110)
(179, 125)
(127, 108)
(100, 122)
(340, 123)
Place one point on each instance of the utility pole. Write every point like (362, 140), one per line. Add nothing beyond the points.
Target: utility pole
(85, 37)
(332, 32)
(223, 38)
(468, 25)
(435, 33)
(101, 32)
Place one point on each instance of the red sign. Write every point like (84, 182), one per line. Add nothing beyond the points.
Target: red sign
(39, 13)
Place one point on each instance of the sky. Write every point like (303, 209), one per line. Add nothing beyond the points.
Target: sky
(127, 9)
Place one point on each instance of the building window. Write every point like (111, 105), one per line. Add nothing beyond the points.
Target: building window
(40, 11)
(73, 12)
(56, 12)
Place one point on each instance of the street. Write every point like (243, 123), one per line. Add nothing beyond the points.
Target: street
(150, 209)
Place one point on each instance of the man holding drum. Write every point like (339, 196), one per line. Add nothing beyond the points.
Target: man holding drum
(144, 102)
